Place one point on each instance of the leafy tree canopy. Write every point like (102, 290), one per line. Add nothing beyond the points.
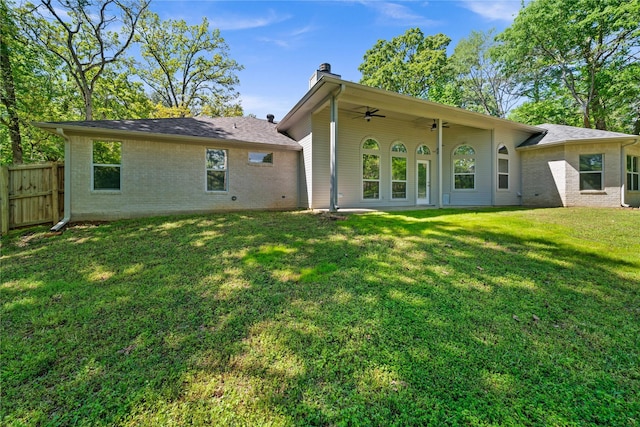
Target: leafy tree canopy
(86, 35)
(584, 46)
(411, 64)
(479, 76)
(187, 67)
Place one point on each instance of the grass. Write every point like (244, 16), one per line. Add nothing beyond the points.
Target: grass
(435, 317)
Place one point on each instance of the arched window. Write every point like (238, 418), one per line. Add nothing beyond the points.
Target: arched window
(503, 168)
(398, 171)
(423, 150)
(370, 169)
(464, 168)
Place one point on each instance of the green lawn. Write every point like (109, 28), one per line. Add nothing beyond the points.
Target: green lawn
(435, 317)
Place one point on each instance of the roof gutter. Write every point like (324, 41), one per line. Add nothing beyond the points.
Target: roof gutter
(67, 182)
(623, 187)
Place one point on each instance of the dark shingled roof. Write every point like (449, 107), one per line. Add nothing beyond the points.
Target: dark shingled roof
(241, 129)
(556, 134)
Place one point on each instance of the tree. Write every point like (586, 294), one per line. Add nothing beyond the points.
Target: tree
(559, 110)
(484, 86)
(34, 76)
(86, 35)
(11, 119)
(116, 96)
(412, 64)
(584, 46)
(187, 67)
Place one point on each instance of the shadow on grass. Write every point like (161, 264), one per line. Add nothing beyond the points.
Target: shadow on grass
(407, 318)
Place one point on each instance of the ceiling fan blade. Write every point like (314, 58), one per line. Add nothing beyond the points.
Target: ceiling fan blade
(434, 126)
(372, 112)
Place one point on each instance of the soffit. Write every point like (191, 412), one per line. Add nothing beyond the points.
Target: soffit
(355, 98)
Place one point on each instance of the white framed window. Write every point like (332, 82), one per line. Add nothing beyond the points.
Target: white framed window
(423, 150)
(217, 169)
(260, 158)
(633, 173)
(398, 171)
(106, 165)
(503, 168)
(370, 169)
(464, 168)
(591, 172)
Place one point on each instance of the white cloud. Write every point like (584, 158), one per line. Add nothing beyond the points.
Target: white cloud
(398, 14)
(235, 22)
(494, 10)
(291, 39)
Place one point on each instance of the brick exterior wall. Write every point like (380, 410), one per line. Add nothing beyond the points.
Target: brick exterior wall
(551, 176)
(543, 175)
(159, 178)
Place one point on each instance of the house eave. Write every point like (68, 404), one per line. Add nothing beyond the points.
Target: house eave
(392, 101)
(619, 140)
(72, 130)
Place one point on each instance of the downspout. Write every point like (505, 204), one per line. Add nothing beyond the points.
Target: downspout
(67, 182)
(440, 153)
(333, 158)
(623, 170)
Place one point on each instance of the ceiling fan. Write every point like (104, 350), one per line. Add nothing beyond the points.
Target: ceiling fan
(434, 126)
(371, 113)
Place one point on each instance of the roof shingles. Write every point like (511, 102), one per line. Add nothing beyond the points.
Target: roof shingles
(242, 129)
(558, 134)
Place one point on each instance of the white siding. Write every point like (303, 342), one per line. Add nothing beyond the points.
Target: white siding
(510, 139)
(480, 140)
(321, 166)
(352, 133)
(306, 172)
(631, 197)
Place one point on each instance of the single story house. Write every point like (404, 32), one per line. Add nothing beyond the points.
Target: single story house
(343, 145)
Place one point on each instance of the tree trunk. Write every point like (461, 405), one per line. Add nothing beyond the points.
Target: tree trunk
(9, 100)
(88, 104)
(599, 112)
(586, 120)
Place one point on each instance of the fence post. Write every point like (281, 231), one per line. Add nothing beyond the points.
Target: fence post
(4, 199)
(54, 193)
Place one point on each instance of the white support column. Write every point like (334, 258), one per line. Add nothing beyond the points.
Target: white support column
(440, 153)
(333, 158)
(494, 167)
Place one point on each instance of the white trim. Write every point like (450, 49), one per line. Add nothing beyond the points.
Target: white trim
(376, 152)
(507, 157)
(632, 173)
(400, 155)
(461, 157)
(112, 165)
(601, 172)
(226, 171)
(426, 200)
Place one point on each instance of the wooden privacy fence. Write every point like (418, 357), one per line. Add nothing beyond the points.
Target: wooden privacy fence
(31, 194)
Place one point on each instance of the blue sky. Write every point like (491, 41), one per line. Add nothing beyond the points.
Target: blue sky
(281, 43)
